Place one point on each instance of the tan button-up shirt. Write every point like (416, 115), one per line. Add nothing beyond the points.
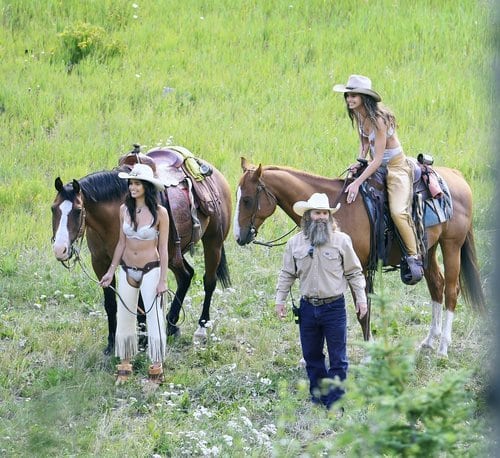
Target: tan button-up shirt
(328, 272)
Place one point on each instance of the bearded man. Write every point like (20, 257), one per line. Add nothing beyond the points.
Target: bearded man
(323, 259)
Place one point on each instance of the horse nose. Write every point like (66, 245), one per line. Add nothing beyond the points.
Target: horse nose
(245, 237)
(60, 251)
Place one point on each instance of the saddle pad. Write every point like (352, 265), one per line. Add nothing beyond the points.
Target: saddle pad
(437, 211)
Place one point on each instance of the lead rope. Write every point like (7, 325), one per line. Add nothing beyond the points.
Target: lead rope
(78, 260)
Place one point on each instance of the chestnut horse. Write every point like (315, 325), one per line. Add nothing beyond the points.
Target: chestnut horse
(262, 189)
(92, 205)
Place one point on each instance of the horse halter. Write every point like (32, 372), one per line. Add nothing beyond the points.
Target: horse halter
(75, 245)
(261, 187)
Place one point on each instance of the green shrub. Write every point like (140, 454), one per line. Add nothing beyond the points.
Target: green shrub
(397, 418)
(83, 39)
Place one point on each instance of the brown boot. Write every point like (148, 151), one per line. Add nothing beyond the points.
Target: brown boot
(123, 372)
(155, 373)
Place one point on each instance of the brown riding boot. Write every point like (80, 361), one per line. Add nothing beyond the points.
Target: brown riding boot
(155, 373)
(123, 372)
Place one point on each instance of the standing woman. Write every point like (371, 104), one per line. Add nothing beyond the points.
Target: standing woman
(142, 253)
(377, 132)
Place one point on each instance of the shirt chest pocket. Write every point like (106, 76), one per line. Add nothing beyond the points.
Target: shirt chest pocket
(331, 258)
(302, 260)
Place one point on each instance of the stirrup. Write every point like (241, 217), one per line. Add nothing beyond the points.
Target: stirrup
(123, 372)
(155, 374)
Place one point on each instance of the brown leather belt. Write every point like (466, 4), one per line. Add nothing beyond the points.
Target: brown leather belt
(145, 269)
(321, 301)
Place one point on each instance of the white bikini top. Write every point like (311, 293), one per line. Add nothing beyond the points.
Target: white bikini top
(142, 233)
(389, 153)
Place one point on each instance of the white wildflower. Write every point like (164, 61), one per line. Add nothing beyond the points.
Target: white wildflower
(246, 421)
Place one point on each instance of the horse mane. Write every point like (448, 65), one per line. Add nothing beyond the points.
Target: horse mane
(297, 172)
(103, 186)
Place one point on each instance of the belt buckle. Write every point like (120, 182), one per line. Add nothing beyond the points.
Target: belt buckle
(315, 301)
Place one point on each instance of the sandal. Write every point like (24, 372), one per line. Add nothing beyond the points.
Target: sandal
(155, 373)
(123, 372)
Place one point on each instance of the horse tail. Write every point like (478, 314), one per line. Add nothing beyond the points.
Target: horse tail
(470, 281)
(223, 270)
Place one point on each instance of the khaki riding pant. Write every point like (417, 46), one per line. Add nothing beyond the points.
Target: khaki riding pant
(126, 344)
(400, 192)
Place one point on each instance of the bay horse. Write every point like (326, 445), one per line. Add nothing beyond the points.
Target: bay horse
(263, 188)
(91, 205)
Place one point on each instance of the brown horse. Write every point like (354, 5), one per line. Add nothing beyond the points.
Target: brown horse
(92, 204)
(262, 189)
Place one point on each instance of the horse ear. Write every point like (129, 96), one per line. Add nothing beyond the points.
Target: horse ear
(244, 164)
(76, 186)
(58, 184)
(258, 172)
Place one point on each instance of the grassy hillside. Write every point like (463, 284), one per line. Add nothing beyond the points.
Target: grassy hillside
(82, 81)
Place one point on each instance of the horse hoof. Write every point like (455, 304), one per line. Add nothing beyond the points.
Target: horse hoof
(200, 335)
(173, 331)
(108, 350)
(426, 345)
(443, 353)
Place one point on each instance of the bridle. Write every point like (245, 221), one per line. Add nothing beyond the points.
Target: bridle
(261, 188)
(76, 244)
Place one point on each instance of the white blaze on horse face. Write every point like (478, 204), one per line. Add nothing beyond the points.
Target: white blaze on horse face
(61, 239)
(236, 225)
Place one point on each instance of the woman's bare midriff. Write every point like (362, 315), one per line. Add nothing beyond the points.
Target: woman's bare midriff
(139, 252)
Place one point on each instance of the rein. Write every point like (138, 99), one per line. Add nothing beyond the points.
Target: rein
(78, 260)
(272, 243)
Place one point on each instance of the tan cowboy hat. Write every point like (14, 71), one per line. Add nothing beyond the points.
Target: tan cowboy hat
(143, 172)
(358, 84)
(318, 201)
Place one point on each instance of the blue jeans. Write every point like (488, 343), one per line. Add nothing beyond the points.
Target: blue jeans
(317, 324)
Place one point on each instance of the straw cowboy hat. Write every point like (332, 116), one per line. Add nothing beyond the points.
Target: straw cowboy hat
(318, 201)
(358, 84)
(143, 172)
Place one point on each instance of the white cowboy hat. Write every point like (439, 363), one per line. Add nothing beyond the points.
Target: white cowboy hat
(143, 172)
(318, 201)
(358, 84)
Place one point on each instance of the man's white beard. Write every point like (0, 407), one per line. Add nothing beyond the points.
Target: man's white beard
(319, 232)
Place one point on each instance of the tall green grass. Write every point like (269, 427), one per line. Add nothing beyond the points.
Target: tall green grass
(225, 79)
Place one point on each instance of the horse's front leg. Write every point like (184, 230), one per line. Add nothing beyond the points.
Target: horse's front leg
(365, 321)
(365, 324)
(110, 307)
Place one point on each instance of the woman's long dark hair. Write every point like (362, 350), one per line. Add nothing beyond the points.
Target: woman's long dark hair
(151, 199)
(374, 110)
